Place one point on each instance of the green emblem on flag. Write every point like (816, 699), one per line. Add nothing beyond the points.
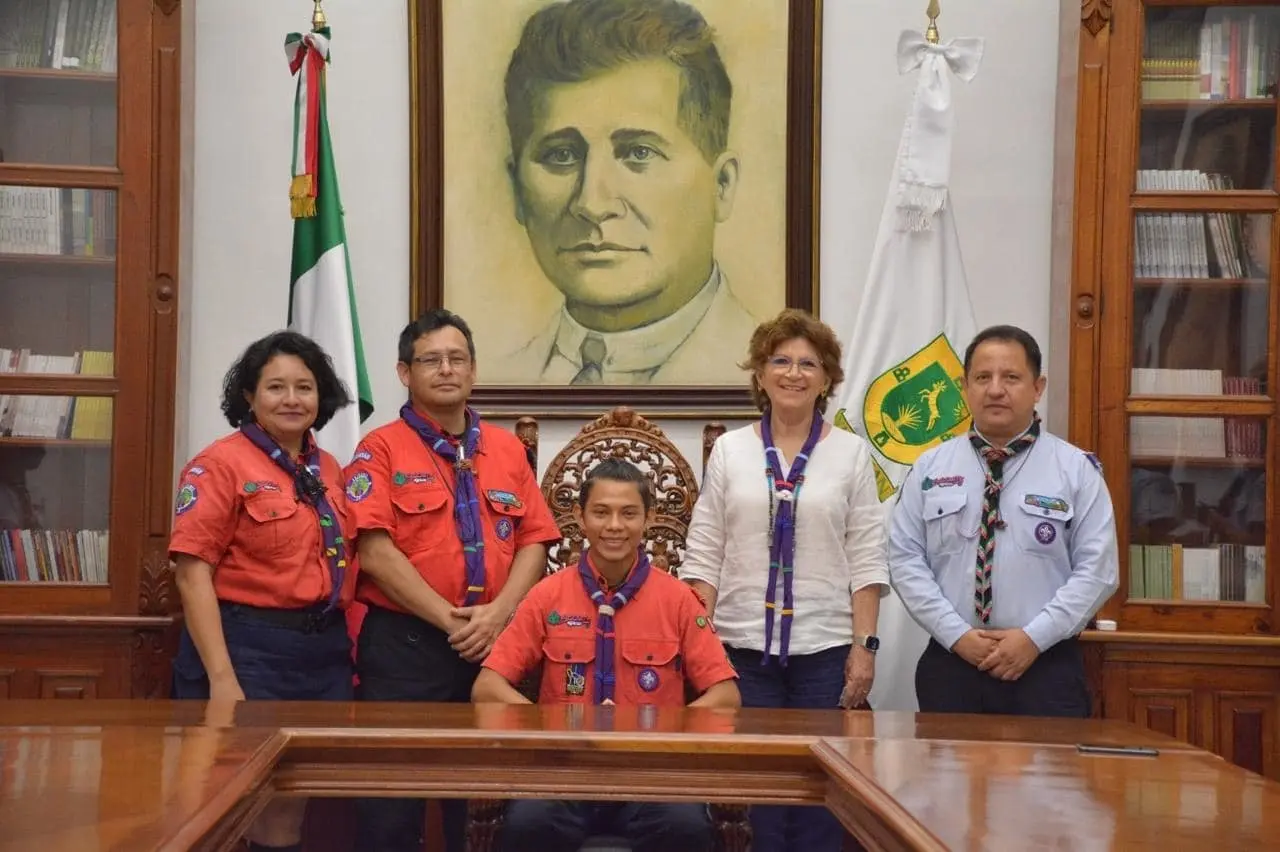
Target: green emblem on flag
(917, 404)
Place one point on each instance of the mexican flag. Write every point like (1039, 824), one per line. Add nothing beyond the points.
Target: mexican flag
(903, 358)
(322, 296)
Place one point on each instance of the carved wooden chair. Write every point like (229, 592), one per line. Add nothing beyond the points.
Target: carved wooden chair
(624, 434)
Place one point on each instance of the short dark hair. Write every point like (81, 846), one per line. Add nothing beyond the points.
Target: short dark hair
(574, 41)
(244, 374)
(1006, 334)
(788, 325)
(433, 320)
(617, 470)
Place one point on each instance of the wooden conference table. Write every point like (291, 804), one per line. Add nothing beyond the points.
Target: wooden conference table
(155, 775)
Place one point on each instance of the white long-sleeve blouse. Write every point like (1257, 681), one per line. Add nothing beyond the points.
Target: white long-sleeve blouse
(840, 540)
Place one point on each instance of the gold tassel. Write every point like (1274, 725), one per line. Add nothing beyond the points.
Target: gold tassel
(302, 204)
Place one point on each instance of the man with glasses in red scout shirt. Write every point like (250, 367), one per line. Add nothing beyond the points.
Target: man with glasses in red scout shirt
(611, 629)
(453, 533)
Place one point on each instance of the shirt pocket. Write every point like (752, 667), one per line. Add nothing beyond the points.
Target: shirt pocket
(948, 525)
(505, 512)
(420, 518)
(651, 673)
(1042, 526)
(274, 526)
(566, 670)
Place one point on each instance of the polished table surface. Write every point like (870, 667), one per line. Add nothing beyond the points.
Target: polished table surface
(178, 775)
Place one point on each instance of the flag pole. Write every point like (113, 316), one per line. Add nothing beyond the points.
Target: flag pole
(318, 20)
(930, 34)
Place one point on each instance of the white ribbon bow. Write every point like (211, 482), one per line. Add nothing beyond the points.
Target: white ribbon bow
(924, 155)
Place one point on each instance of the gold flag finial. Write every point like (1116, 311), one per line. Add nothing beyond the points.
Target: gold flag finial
(318, 20)
(930, 35)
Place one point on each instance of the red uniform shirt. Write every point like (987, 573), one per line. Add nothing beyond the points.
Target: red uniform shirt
(396, 483)
(663, 638)
(237, 510)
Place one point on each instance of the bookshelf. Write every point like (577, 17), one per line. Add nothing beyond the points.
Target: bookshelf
(89, 164)
(1174, 361)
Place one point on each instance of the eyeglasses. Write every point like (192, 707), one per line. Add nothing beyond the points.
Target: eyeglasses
(783, 364)
(434, 361)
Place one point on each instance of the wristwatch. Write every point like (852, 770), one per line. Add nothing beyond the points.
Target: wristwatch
(871, 643)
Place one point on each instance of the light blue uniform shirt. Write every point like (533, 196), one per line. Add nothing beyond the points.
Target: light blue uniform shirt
(1055, 559)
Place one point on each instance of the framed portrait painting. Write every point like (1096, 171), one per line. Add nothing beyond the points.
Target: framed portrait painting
(614, 193)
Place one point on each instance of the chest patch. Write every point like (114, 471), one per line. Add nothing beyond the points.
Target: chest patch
(648, 679)
(1052, 504)
(575, 679)
(420, 478)
(1046, 532)
(260, 485)
(940, 482)
(504, 528)
(503, 498)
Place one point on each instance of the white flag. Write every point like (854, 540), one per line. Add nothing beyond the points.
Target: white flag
(903, 367)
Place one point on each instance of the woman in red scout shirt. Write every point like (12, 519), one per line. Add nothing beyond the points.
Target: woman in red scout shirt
(261, 543)
(610, 630)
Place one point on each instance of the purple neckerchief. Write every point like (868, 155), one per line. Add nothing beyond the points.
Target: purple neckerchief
(782, 531)
(309, 488)
(466, 499)
(606, 607)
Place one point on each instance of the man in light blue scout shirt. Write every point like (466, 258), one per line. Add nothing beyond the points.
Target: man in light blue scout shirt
(1002, 546)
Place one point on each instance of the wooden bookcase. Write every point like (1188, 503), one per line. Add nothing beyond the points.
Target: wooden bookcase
(1174, 369)
(89, 174)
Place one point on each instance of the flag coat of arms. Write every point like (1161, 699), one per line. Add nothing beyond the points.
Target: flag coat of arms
(903, 360)
(322, 298)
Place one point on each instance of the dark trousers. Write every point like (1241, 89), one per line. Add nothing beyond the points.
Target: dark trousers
(403, 658)
(810, 682)
(534, 824)
(1054, 685)
(273, 661)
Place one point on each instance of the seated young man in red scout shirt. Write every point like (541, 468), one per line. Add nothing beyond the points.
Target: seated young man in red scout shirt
(610, 630)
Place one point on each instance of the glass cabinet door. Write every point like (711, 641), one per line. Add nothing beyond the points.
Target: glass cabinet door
(58, 82)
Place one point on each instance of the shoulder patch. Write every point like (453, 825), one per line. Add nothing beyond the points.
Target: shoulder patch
(187, 497)
(1093, 460)
(359, 486)
(361, 454)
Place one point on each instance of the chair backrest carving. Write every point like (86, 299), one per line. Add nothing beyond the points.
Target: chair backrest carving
(624, 434)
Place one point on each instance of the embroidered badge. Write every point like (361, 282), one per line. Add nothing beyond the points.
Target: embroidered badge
(946, 481)
(1045, 532)
(399, 478)
(504, 528)
(554, 618)
(187, 497)
(648, 680)
(362, 455)
(253, 487)
(1048, 504)
(504, 498)
(359, 487)
(701, 621)
(577, 621)
(195, 470)
(575, 679)
(414, 478)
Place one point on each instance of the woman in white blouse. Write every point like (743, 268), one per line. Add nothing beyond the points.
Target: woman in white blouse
(787, 551)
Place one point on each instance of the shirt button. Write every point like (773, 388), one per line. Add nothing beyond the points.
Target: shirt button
(420, 507)
(567, 655)
(650, 657)
(939, 511)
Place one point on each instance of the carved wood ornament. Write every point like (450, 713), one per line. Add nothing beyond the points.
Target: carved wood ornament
(625, 435)
(1095, 14)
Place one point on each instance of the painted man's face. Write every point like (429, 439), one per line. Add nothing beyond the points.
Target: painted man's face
(619, 203)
